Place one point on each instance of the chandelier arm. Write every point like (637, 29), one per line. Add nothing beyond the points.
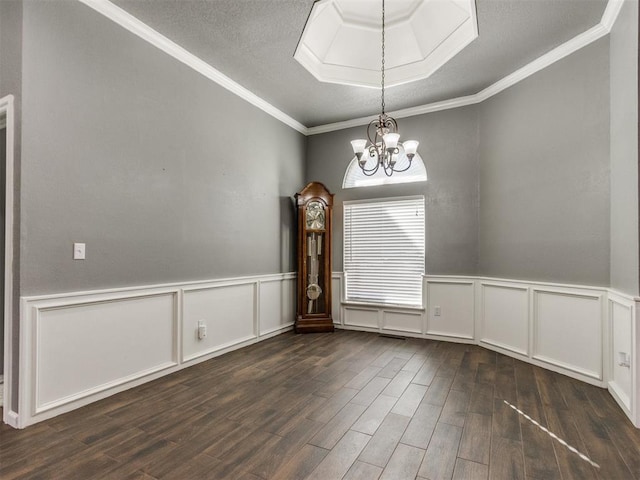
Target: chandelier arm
(372, 171)
(388, 171)
(375, 125)
(373, 153)
(404, 169)
(391, 124)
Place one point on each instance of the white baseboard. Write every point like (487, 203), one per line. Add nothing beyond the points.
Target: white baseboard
(11, 419)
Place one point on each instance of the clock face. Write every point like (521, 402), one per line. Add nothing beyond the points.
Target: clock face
(315, 216)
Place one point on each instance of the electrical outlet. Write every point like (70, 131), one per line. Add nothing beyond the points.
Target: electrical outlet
(624, 359)
(437, 311)
(202, 330)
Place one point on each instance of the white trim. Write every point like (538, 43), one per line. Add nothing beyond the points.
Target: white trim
(404, 113)
(11, 419)
(611, 13)
(580, 41)
(491, 343)
(35, 325)
(186, 286)
(600, 297)
(505, 282)
(544, 61)
(7, 108)
(135, 26)
(225, 347)
(32, 412)
(34, 409)
(566, 366)
(583, 367)
(628, 401)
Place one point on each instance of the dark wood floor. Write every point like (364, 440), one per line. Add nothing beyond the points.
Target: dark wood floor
(347, 405)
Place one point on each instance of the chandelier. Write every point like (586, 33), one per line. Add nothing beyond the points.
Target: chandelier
(384, 145)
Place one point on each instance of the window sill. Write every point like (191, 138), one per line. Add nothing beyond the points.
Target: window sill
(386, 306)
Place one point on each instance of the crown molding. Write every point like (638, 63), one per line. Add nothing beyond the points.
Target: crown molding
(611, 14)
(407, 112)
(600, 30)
(544, 61)
(135, 26)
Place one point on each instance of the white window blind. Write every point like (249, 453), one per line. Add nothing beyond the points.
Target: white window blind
(384, 251)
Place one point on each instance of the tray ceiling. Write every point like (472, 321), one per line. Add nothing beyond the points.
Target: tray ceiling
(338, 44)
(253, 42)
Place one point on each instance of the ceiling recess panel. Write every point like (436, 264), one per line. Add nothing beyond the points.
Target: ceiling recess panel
(341, 42)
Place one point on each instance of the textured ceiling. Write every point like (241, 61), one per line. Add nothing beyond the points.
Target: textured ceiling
(253, 42)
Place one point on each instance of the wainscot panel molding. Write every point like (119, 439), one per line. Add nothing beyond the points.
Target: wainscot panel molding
(504, 316)
(587, 333)
(568, 329)
(336, 295)
(450, 304)
(622, 367)
(79, 347)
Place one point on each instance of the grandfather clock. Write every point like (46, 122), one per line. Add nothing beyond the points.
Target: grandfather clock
(314, 204)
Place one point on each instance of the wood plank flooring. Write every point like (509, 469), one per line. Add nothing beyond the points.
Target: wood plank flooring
(349, 405)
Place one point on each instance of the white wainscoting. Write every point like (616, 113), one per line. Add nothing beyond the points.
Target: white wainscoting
(580, 331)
(568, 327)
(623, 365)
(79, 347)
(229, 313)
(383, 319)
(504, 316)
(277, 304)
(402, 321)
(336, 297)
(367, 318)
(450, 304)
(386, 319)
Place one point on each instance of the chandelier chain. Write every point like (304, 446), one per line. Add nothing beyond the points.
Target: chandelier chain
(384, 146)
(383, 57)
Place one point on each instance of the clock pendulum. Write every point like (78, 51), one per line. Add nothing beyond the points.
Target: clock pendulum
(313, 289)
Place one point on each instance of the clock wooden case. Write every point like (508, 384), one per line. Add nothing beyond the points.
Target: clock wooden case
(315, 204)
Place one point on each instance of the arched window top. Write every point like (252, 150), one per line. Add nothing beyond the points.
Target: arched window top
(354, 177)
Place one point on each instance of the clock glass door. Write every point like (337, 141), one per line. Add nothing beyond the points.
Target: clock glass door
(315, 273)
(315, 225)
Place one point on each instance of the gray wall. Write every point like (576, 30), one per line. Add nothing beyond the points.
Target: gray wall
(624, 150)
(163, 174)
(544, 174)
(449, 147)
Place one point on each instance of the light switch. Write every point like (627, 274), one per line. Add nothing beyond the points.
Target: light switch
(79, 251)
(437, 311)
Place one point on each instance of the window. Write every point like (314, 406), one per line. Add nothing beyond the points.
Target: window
(384, 250)
(354, 177)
